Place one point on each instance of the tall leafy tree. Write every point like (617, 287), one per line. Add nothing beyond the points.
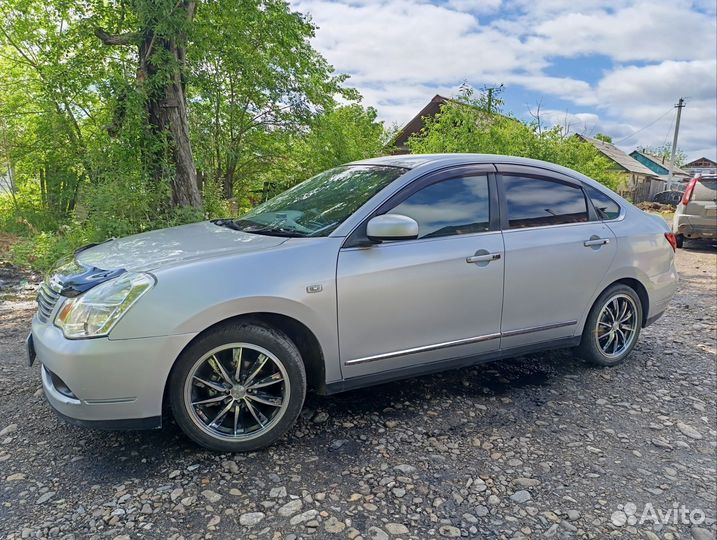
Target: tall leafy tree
(256, 80)
(159, 33)
(464, 125)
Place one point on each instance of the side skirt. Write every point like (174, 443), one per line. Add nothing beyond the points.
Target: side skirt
(444, 365)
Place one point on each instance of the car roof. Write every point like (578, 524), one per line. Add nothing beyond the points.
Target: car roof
(429, 161)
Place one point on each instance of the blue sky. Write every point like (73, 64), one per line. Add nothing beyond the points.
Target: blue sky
(615, 67)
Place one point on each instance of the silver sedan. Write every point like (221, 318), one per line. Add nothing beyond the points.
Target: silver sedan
(370, 272)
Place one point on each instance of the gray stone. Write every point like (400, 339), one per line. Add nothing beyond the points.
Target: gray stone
(449, 531)
(396, 528)
(404, 468)
(521, 496)
(688, 431)
(46, 497)
(334, 526)
(251, 518)
(374, 533)
(290, 508)
(211, 496)
(698, 533)
(12, 428)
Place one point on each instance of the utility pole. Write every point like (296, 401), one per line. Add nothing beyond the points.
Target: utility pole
(680, 104)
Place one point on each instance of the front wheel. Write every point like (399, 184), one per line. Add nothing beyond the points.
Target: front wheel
(238, 388)
(612, 327)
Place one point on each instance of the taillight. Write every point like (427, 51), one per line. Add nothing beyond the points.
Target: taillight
(688, 192)
(670, 237)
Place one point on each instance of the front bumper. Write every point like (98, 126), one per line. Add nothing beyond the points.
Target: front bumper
(105, 383)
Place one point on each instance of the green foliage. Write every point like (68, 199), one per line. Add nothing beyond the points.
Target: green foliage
(463, 125)
(665, 152)
(344, 134)
(604, 138)
(74, 129)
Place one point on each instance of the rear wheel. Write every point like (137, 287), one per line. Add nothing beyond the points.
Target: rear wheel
(238, 388)
(612, 327)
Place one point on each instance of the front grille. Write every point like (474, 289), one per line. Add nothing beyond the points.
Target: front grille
(47, 297)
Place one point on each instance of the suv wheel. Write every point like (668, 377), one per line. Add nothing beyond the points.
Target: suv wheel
(612, 327)
(238, 388)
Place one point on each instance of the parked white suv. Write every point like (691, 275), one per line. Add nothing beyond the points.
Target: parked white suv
(696, 215)
(369, 272)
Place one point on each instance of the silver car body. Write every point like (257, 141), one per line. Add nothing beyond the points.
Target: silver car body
(377, 312)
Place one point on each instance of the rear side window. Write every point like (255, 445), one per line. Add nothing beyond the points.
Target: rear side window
(536, 202)
(705, 190)
(454, 206)
(605, 207)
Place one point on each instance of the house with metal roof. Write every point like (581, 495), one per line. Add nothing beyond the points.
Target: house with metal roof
(399, 144)
(702, 166)
(417, 123)
(639, 182)
(660, 166)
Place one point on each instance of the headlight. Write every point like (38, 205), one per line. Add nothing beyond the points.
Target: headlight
(95, 312)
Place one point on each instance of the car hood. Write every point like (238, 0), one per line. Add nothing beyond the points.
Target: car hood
(154, 249)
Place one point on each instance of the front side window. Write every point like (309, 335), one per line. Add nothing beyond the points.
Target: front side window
(536, 202)
(318, 205)
(605, 207)
(454, 206)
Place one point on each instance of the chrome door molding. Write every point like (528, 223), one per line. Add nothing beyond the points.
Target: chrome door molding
(457, 342)
(425, 348)
(521, 331)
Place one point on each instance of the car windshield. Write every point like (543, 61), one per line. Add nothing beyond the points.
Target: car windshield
(318, 205)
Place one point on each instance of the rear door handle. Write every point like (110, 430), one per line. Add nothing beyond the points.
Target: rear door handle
(482, 257)
(595, 241)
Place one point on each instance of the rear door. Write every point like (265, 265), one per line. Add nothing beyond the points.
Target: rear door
(556, 253)
(701, 210)
(405, 303)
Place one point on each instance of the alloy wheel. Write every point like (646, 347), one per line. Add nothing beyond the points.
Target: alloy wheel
(617, 325)
(237, 392)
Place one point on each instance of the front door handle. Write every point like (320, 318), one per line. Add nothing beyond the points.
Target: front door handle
(596, 241)
(482, 256)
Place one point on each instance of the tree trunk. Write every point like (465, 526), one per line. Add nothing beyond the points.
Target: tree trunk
(167, 117)
(173, 119)
(166, 106)
(228, 179)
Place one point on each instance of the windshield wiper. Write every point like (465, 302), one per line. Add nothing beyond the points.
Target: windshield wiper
(228, 223)
(257, 228)
(274, 231)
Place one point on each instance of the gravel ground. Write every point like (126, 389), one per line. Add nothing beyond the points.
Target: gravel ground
(539, 446)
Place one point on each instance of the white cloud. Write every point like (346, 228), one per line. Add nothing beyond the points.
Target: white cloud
(400, 53)
(473, 6)
(645, 31)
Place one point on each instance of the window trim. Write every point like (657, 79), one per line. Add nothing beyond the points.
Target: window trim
(358, 238)
(531, 173)
(621, 210)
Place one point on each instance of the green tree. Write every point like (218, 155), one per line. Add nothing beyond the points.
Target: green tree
(256, 81)
(463, 125)
(664, 152)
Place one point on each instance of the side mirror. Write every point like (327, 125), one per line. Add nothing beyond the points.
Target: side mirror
(391, 227)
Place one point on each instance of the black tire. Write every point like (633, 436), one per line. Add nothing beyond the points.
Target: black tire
(293, 383)
(592, 344)
(679, 240)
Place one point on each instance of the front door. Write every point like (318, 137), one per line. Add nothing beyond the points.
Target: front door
(411, 302)
(556, 251)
